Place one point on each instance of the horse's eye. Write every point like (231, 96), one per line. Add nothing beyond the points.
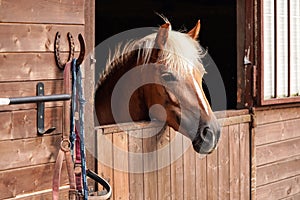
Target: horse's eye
(167, 76)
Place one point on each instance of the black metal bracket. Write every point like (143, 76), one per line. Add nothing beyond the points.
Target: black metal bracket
(41, 112)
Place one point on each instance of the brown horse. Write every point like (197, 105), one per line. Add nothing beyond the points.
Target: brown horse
(159, 77)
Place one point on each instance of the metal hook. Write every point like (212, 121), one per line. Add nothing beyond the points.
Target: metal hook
(72, 50)
(41, 112)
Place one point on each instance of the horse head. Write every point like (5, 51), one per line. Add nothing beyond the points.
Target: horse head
(165, 69)
(179, 72)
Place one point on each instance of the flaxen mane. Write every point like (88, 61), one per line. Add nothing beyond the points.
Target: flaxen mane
(181, 53)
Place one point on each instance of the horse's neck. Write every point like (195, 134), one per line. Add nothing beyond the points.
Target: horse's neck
(103, 98)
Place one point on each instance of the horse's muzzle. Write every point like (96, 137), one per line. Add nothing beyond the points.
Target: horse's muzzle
(206, 140)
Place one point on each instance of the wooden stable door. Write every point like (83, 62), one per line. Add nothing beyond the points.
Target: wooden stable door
(27, 33)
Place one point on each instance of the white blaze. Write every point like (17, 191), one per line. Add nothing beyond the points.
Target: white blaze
(200, 95)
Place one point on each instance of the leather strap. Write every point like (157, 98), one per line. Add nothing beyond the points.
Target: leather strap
(78, 163)
(56, 175)
(65, 145)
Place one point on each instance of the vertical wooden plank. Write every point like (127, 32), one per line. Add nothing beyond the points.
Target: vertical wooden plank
(253, 163)
(136, 165)
(121, 177)
(189, 174)
(234, 161)
(176, 152)
(223, 152)
(240, 38)
(150, 164)
(105, 159)
(201, 174)
(244, 161)
(212, 176)
(163, 162)
(89, 82)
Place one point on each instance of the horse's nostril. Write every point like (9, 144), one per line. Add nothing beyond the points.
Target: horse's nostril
(205, 141)
(207, 135)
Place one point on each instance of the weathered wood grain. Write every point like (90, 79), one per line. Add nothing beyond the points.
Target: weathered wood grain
(234, 159)
(112, 128)
(29, 66)
(105, 158)
(278, 171)
(28, 88)
(212, 175)
(231, 113)
(29, 179)
(176, 152)
(265, 116)
(234, 120)
(135, 165)
(163, 163)
(277, 131)
(36, 11)
(36, 37)
(223, 164)
(277, 151)
(294, 197)
(278, 190)
(244, 161)
(201, 177)
(150, 164)
(44, 194)
(24, 89)
(88, 69)
(189, 173)
(23, 124)
(6, 125)
(224, 174)
(28, 152)
(120, 159)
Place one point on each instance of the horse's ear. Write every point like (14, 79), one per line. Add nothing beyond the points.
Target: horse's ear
(160, 41)
(162, 36)
(194, 33)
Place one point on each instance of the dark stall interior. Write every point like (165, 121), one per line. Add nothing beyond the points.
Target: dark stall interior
(218, 27)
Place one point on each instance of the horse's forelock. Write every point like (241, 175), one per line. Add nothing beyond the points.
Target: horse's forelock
(181, 53)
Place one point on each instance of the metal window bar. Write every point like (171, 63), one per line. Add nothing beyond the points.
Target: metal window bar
(275, 49)
(287, 65)
(289, 47)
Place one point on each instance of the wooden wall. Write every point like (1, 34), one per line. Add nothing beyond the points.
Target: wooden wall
(225, 174)
(277, 153)
(27, 32)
